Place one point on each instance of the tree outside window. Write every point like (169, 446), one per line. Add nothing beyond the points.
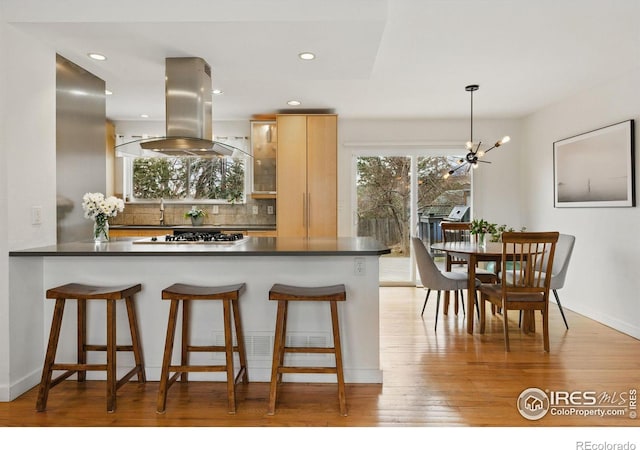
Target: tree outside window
(384, 195)
(193, 178)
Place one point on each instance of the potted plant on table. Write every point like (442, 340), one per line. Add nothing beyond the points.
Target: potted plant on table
(481, 228)
(196, 215)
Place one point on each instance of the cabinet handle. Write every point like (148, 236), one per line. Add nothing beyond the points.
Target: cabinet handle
(308, 211)
(304, 209)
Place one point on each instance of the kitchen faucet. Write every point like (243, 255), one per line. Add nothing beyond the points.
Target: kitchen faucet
(161, 211)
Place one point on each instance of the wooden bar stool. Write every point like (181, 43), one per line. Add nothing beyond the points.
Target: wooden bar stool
(82, 293)
(284, 294)
(229, 296)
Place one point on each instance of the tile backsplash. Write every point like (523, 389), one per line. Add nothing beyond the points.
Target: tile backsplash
(238, 214)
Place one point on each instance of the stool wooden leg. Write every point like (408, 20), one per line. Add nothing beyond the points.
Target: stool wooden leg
(278, 350)
(184, 346)
(166, 359)
(240, 342)
(228, 350)
(52, 347)
(81, 340)
(111, 356)
(283, 341)
(338, 353)
(135, 339)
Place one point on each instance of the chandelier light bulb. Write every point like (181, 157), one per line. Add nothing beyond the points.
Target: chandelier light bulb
(505, 139)
(469, 145)
(480, 153)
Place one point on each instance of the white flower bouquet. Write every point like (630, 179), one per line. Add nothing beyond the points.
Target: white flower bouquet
(99, 209)
(95, 204)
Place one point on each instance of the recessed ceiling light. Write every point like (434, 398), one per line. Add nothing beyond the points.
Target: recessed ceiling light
(107, 92)
(97, 56)
(217, 92)
(144, 116)
(293, 103)
(307, 56)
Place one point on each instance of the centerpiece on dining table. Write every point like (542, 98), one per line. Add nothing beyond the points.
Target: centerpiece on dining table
(481, 228)
(99, 208)
(484, 230)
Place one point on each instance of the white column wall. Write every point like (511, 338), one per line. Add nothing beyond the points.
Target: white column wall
(27, 171)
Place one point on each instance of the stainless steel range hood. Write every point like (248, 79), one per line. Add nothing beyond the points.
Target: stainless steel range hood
(188, 111)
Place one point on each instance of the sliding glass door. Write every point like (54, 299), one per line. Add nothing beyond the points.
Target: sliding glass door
(401, 196)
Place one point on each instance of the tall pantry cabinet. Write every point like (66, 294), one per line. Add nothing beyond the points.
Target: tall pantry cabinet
(306, 174)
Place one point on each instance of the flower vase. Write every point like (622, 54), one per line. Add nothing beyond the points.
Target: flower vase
(197, 221)
(482, 240)
(100, 229)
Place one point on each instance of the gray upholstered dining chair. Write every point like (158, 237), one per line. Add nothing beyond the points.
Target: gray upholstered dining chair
(434, 279)
(564, 250)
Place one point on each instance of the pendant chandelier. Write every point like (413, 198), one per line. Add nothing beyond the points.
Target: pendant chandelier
(474, 154)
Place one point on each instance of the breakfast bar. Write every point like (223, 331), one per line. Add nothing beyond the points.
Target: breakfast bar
(259, 262)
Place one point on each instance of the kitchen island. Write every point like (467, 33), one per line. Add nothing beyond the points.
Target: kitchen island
(257, 261)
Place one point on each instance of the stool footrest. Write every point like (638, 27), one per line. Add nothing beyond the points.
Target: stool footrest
(210, 348)
(290, 369)
(309, 349)
(197, 368)
(103, 348)
(78, 367)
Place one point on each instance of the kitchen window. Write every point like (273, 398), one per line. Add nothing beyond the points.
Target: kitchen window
(188, 178)
(149, 176)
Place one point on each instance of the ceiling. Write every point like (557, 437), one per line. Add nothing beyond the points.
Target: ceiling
(392, 59)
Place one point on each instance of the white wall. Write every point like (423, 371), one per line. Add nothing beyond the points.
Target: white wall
(4, 235)
(28, 174)
(603, 282)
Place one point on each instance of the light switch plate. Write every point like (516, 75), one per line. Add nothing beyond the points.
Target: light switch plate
(36, 215)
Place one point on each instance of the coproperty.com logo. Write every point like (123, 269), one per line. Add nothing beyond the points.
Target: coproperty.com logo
(534, 403)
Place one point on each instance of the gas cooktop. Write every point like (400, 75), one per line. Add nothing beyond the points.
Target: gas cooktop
(195, 238)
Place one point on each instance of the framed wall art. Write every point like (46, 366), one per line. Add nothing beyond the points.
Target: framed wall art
(595, 169)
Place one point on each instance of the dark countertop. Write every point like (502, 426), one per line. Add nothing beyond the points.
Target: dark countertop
(250, 246)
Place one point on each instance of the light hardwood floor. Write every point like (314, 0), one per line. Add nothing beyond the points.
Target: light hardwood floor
(431, 379)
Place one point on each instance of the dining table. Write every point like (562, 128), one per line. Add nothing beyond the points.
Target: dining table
(473, 253)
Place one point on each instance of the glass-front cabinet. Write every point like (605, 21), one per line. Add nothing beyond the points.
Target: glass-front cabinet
(264, 149)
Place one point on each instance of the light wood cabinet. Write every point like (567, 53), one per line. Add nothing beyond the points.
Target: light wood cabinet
(307, 175)
(138, 232)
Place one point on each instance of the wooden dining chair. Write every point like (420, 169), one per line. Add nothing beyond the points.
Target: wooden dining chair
(433, 278)
(461, 232)
(526, 258)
